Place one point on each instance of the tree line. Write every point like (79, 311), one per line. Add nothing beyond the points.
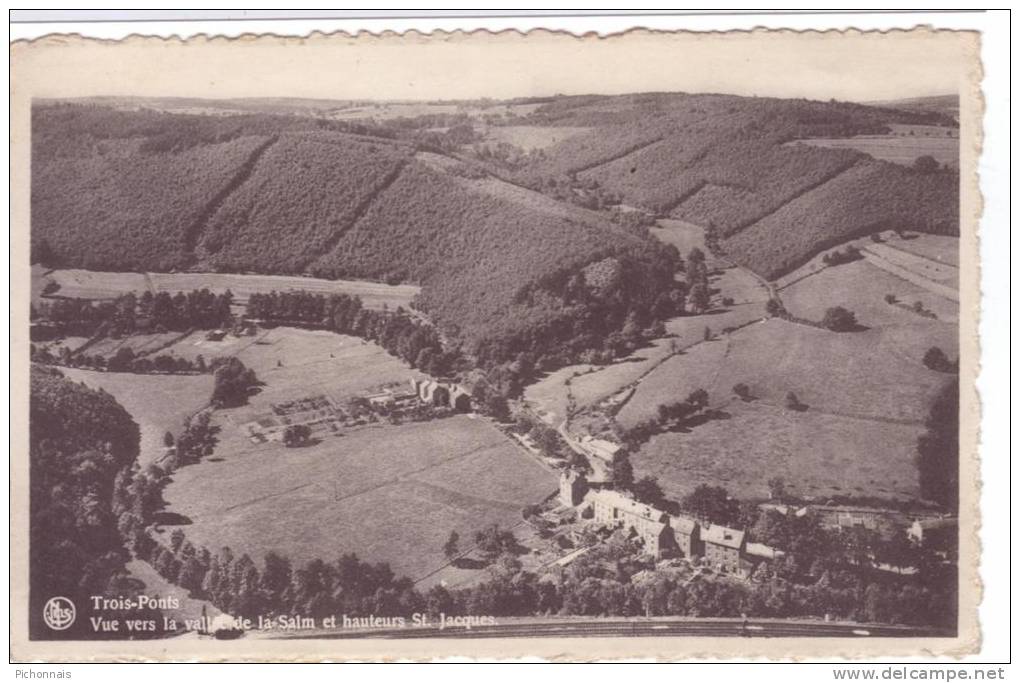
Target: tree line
(130, 313)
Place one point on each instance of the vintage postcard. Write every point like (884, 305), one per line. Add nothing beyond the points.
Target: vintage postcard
(403, 346)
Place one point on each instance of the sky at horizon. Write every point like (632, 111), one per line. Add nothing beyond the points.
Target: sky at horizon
(849, 66)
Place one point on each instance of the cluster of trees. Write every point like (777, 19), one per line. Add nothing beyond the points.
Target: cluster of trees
(820, 577)
(233, 382)
(669, 416)
(124, 360)
(130, 313)
(78, 440)
(698, 292)
(396, 331)
(869, 197)
(938, 449)
(838, 257)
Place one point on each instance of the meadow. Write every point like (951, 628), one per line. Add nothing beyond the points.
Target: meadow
(862, 287)
(158, 403)
(530, 138)
(896, 148)
(816, 454)
(388, 493)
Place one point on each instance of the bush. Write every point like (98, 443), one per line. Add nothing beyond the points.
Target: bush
(936, 359)
(839, 319)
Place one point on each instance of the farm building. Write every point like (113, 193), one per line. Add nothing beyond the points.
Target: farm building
(438, 393)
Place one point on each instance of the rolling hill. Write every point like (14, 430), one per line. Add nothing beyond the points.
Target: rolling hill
(499, 271)
(501, 252)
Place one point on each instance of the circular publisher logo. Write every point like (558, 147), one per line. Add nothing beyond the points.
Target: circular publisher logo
(59, 613)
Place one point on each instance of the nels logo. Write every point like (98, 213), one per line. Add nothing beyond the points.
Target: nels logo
(59, 613)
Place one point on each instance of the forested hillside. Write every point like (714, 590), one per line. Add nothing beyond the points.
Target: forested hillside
(79, 439)
(291, 195)
(501, 271)
(297, 201)
(882, 196)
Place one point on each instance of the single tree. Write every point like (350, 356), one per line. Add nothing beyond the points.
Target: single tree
(742, 391)
(936, 359)
(839, 319)
(450, 548)
(792, 402)
(168, 440)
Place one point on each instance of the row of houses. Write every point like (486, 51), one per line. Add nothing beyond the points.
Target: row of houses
(662, 534)
(931, 528)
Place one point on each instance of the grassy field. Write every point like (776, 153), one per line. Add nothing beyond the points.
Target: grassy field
(862, 287)
(938, 272)
(897, 148)
(530, 138)
(141, 344)
(935, 247)
(294, 363)
(876, 373)
(815, 454)
(388, 493)
(158, 403)
(93, 284)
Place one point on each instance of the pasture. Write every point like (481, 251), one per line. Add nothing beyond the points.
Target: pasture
(388, 493)
(530, 138)
(900, 149)
(817, 455)
(294, 363)
(939, 248)
(93, 284)
(875, 374)
(862, 287)
(140, 344)
(158, 403)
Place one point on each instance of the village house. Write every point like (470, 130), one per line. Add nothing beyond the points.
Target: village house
(573, 486)
(723, 547)
(686, 536)
(613, 509)
(662, 534)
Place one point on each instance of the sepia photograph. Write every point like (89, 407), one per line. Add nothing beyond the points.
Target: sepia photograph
(350, 343)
